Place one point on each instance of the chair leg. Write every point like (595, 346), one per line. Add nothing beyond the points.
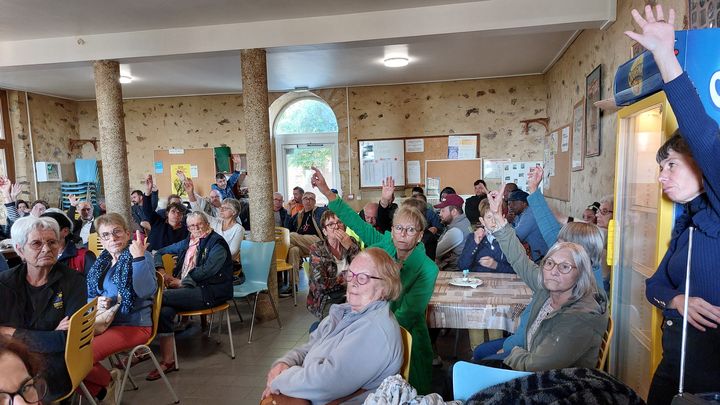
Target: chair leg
(238, 311)
(212, 318)
(277, 314)
(162, 374)
(293, 278)
(177, 359)
(87, 394)
(229, 331)
(252, 321)
(219, 328)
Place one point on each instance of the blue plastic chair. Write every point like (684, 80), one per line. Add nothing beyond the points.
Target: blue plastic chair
(469, 378)
(256, 258)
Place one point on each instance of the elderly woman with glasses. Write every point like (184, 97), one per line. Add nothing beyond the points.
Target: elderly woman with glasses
(39, 296)
(355, 347)
(417, 273)
(202, 278)
(568, 316)
(328, 256)
(124, 274)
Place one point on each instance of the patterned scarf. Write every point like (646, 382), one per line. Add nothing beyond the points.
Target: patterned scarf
(122, 277)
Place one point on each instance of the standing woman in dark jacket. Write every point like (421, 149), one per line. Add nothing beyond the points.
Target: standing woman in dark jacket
(39, 296)
(202, 278)
(78, 259)
(689, 175)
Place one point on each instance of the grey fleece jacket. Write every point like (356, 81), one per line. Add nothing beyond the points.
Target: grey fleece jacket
(571, 335)
(349, 350)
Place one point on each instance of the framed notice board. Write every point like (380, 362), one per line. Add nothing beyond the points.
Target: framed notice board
(380, 159)
(556, 179)
(200, 163)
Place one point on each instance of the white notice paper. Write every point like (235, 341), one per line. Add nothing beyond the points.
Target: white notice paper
(565, 144)
(414, 145)
(462, 147)
(413, 172)
(193, 171)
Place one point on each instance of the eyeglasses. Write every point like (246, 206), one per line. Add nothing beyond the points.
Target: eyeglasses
(308, 198)
(562, 267)
(278, 199)
(362, 278)
(116, 233)
(194, 226)
(605, 211)
(409, 230)
(225, 208)
(38, 244)
(333, 225)
(32, 391)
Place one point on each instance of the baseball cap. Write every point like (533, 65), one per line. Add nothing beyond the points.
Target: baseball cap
(451, 199)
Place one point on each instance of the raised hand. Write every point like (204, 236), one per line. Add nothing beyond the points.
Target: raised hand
(73, 200)
(658, 36)
(138, 246)
(388, 190)
(5, 186)
(495, 198)
(148, 184)
(534, 178)
(318, 180)
(189, 186)
(16, 190)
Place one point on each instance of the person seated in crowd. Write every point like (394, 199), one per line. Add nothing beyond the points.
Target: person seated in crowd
(202, 278)
(210, 205)
(568, 314)
(445, 191)
(155, 201)
(482, 252)
(39, 296)
(79, 259)
(417, 190)
(509, 188)
(20, 381)
(83, 226)
(136, 209)
(10, 193)
(689, 168)
(123, 274)
(369, 214)
(590, 213)
(457, 228)
(418, 272)
(328, 257)
(472, 203)
(225, 185)
(163, 232)
(226, 224)
(280, 214)
(433, 219)
(304, 231)
(605, 213)
(23, 208)
(526, 227)
(355, 347)
(295, 204)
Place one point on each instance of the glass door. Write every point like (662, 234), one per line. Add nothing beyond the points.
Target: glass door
(296, 160)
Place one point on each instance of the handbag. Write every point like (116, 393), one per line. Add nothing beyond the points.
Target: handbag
(105, 317)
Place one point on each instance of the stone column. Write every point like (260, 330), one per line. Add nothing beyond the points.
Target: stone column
(113, 151)
(257, 133)
(22, 152)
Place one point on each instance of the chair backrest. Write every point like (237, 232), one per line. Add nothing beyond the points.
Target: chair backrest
(94, 244)
(256, 258)
(78, 346)
(469, 378)
(168, 263)
(407, 344)
(605, 345)
(282, 243)
(157, 305)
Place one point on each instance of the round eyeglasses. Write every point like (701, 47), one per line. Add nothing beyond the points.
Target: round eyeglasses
(32, 391)
(563, 267)
(362, 278)
(116, 233)
(409, 230)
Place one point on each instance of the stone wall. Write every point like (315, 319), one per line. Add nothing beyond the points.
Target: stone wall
(566, 85)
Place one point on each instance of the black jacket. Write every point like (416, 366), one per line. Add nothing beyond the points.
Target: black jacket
(78, 223)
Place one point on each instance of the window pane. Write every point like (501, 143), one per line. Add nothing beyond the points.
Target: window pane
(306, 116)
(299, 160)
(2, 124)
(3, 163)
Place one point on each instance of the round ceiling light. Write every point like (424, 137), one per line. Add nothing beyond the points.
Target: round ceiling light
(396, 62)
(126, 79)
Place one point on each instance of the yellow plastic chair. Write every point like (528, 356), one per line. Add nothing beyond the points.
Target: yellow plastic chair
(168, 261)
(78, 348)
(407, 344)
(144, 349)
(94, 244)
(605, 345)
(209, 311)
(282, 246)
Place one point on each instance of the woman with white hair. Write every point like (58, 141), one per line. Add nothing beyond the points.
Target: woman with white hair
(39, 296)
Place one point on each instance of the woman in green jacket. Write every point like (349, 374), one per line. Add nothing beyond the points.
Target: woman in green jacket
(568, 316)
(418, 272)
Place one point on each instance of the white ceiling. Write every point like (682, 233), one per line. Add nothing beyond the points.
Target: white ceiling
(175, 47)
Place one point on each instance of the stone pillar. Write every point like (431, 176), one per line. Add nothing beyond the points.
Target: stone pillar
(257, 133)
(22, 152)
(113, 151)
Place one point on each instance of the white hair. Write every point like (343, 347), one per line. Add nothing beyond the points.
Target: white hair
(23, 226)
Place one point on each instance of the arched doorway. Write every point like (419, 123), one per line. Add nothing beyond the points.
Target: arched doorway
(306, 134)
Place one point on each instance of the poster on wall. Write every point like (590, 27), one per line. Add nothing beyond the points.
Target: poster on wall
(177, 171)
(516, 172)
(462, 147)
(593, 93)
(577, 154)
(380, 159)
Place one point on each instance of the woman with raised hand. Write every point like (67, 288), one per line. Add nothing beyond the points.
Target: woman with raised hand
(417, 274)
(689, 175)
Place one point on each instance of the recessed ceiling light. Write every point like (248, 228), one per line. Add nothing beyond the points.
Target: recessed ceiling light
(396, 62)
(126, 79)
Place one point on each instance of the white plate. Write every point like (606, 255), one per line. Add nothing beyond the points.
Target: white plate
(470, 282)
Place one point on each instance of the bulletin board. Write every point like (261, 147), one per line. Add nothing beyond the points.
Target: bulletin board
(556, 181)
(435, 148)
(380, 159)
(201, 161)
(459, 174)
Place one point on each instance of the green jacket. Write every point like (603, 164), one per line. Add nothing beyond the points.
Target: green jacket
(568, 337)
(417, 275)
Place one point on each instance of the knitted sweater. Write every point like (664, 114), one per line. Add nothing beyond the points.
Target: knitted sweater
(701, 133)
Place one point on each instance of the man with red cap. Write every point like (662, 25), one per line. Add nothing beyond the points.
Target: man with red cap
(458, 227)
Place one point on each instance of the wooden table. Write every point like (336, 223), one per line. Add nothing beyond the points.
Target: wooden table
(496, 304)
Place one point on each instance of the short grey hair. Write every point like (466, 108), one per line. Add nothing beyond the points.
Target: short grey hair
(279, 194)
(585, 283)
(23, 226)
(235, 204)
(610, 199)
(199, 214)
(586, 235)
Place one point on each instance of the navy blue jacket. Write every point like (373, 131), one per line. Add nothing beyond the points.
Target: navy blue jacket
(472, 253)
(161, 233)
